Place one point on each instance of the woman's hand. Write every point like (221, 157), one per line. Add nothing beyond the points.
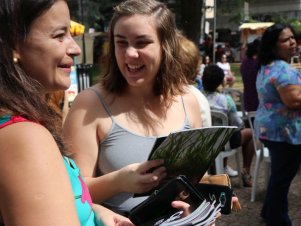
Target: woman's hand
(186, 208)
(141, 177)
(182, 206)
(109, 218)
(234, 199)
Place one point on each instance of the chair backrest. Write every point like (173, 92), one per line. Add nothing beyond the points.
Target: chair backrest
(238, 97)
(251, 117)
(220, 118)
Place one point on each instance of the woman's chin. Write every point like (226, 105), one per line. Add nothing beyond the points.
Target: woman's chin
(65, 84)
(60, 87)
(135, 81)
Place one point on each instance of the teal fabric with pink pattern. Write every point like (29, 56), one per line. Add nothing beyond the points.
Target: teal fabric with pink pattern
(8, 120)
(81, 193)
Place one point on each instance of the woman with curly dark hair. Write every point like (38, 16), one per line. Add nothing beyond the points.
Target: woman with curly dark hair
(278, 118)
(39, 184)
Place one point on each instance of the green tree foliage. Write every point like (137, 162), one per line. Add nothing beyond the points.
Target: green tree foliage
(92, 13)
(106, 11)
(295, 23)
(97, 13)
(191, 15)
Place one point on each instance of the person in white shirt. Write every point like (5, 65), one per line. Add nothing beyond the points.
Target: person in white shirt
(225, 66)
(191, 64)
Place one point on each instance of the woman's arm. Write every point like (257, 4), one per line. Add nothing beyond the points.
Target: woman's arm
(230, 73)
(80, 130)
(291, 96)
(35, 188)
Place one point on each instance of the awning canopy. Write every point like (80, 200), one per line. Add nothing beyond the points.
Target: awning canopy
(251, 31)
(76, 28)
(255, 26)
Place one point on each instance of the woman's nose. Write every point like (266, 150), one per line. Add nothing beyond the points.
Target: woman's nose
(132, 52)
(293, 41)
(73, 48)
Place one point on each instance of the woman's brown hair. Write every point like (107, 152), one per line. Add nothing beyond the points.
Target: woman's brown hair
(191, 58)
(170, 77)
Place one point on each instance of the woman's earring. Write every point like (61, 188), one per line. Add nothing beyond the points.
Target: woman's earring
(15, 59)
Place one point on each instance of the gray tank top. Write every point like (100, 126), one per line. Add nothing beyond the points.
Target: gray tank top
(122, 147)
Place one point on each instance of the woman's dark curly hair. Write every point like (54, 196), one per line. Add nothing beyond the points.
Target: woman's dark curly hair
(268, 47)
(213, 77)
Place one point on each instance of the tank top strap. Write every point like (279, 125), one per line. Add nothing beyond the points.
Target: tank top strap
(184, 106)
(9, 119)
(186, 124)
(102, 101)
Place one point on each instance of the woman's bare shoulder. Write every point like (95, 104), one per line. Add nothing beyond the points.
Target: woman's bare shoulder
(25, 138)
(88, 96)
(89, 102)
(33, 175)
(27, 146)
(190, 97)
(87, 113)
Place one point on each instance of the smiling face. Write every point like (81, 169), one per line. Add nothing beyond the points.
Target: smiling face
(224, 58)
(286, 44)
(47, 52)
(137, 49)
(207, 60)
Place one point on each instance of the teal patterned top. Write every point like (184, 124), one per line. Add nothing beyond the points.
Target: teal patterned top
(274, 120)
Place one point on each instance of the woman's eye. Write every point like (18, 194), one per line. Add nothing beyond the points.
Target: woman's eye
(141, 44)
(121, 43)
(60, 36)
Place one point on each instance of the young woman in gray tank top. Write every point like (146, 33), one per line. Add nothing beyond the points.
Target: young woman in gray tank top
(113, 125)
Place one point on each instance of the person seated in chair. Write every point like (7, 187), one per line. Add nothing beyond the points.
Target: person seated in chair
(225, 66)
(213, 78)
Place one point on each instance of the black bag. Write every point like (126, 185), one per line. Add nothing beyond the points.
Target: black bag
(159, 203)
(218, 188)
(220, 193)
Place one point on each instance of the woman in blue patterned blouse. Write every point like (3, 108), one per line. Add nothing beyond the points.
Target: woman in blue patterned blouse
(278, 118)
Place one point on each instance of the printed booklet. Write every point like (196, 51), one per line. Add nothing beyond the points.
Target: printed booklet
(191, 152)
(204, 215)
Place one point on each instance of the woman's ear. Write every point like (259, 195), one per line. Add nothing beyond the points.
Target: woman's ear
(16, 56)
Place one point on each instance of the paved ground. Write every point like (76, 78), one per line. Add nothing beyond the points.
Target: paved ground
(249, 215)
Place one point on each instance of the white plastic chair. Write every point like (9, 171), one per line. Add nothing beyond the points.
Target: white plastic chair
(221, 119)
(238, 97)
(261, 153)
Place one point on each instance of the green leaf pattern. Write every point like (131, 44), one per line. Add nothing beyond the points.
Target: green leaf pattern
(191, 152)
